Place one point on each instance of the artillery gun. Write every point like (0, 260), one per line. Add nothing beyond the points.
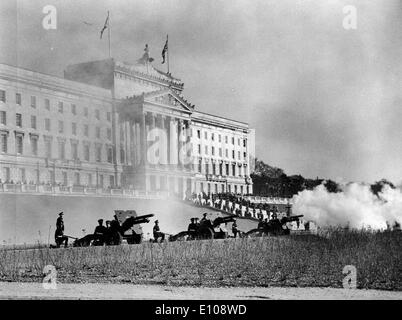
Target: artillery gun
(274, 227)
(205, 230)
(125, 220)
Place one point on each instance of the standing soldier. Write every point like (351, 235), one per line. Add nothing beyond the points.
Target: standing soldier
(157, 232)
(100, 233)
(59, 236)
(235, 230)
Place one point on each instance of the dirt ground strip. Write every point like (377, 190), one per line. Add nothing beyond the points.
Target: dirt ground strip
(18, 290)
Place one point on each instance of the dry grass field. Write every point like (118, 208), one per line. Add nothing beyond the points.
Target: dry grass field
(302, 261)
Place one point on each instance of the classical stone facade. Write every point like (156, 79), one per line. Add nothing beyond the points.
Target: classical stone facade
(114, 124)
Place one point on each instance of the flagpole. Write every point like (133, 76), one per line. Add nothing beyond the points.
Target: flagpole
(109, 35)
(167, 40)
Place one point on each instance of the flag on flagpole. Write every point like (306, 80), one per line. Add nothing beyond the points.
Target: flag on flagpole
(165, 49)
(106, 25)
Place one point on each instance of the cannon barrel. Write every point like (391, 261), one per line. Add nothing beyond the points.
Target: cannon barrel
(130, 221)
(220, 220)
(291, 218)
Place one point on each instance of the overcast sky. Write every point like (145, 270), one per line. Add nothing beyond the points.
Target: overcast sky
(324, 101)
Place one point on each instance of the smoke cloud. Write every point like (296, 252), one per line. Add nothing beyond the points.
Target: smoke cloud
(355, 206)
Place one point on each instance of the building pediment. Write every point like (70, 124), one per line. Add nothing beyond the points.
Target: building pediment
(169, 98)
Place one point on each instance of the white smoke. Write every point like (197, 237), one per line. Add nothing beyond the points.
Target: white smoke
(356, 206)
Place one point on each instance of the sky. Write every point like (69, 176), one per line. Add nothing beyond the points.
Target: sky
(325, 101)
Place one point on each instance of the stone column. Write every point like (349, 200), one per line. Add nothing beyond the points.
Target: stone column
(143, 140)
(163, 142)
(173, 145)
(180, 143)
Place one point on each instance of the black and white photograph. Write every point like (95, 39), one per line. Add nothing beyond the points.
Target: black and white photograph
(200, 150)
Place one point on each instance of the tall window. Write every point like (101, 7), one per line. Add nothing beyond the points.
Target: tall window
(3, 117)
(33, 122)
(206, 135)
(244, 142)
(227, 153)
(227, 169)
(212, 136)
(98, 132)
(48, 148)
(86, 130)
(86, 152)
(74, 109)
(233, 140)
(3, 141)
(109, 154)
(206, 149)
(86, 111)
(213, 151)
(233, 154)
(64, 178)
(33, 101)
(62, 149)
(76, 178)
(199, 149)
(97, 114)
(34, 145)
(47, 104)
(19, 144)
(226, 139)
(109, 134)
(89, 179)
(74, 128)
(60, 107)
(199, 134)
(2, 95)
(47, 124)
(61, 126)
(18, 98)
(98, 154)
(108, 116)
(74, 151)
(233, 170)
(18, 120)
(220, 152)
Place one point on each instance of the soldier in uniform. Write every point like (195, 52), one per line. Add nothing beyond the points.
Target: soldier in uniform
(59, 236)
(115, 233)
(157, 233)
(235, 230)
(192, 226)
(260, 224)
(100, 233)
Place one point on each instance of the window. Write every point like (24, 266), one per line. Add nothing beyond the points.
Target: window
(89, 179)
(62, 150)
(74, 151)
(101, 180)
(3, 141)
(199, 134)
(226, 153)
(97, 114)
(206, 149)
(233, 140)
(60, 107)
(73, 109)
(109, 116)
(6, 173)
(109, 134)
(76, 178)
(226, 139)
(33, 101)
(199, 149)
(111, 180)
(227, 169)
(221, 169)
(33, 122)
(220, 152)
(245, 155)
(86, 152)
(61, 126)
(219, 138)
(238, 155)
(3, 117)
(207, 168)
(121, 134)
(48, 148)
(18, 98)
(206, 135)
(238, 141)
(47, 104)
(47, 124)
(234, 169)
(213, 151)
(214, 169)
(233, 154)
(98, 153)
(98, 132)
(86, 111)
(18, 120)
(110, 154)
(22, 175)
(74, 128)
(200, 166)
(2, 95)
(212, 136)
(244, 142)
(122, 154)
(34, 145)
(86, 130)
(18, 144)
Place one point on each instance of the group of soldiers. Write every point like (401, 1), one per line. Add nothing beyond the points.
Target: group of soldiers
(109, 234)
(205, 221)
